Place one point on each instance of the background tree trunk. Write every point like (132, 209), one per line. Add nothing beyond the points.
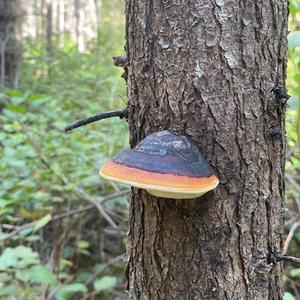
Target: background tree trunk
(10, 47)
(98, 17)
(49, 27)
(49, 31)
(205, 68)
(61, 23)
(79, 16)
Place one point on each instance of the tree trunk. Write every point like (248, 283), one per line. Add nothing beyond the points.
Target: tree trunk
(98, 13)
(49, 28)
(49, 33)
(79, 17)
(206, 68)
(61, 23)
(10, 47)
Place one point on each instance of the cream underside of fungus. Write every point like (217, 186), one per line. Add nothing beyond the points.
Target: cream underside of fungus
(165, 192)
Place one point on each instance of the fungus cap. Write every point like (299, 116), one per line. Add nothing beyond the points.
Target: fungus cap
(166, 165)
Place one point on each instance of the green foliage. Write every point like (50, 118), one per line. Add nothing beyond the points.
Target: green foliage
(105, 282)
(41, 166)
(288, 296)
(18, 258)
(294, 272)
(294, 40)
(68, 290)
(42, 222)
(21, 273)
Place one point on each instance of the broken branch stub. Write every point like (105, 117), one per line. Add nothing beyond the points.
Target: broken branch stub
(122, 113)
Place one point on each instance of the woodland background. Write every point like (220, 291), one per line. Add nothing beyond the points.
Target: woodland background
(63, 228)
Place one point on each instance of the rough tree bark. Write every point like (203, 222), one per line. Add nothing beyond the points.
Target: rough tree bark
(10, 47)
(206, 68)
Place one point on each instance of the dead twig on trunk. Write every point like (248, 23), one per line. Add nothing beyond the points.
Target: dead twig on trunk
(120, 61)
(122, 113)
(276, 257)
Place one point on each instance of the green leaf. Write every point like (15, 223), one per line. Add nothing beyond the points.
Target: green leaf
(10, 290)
(41, 274)
(17, 163)
(17, 100)
(19, 257)
(83, 244)
(16, 108)
(295, 272)
(14, 93)
(4, 277)
(106, 282)
(288, 296)
(2, 234)
(25, 231)
(39, 101)
(294, 39)
(83, 276)
(297, 77)
(3, 203)
(293, 9)
(32, 238)
(42, 222)
(36, 97)
(63, 263)
(66, 291)
(23, 275)
(297, 236)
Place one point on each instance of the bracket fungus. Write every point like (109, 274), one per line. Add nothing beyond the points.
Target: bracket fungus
(166, 165)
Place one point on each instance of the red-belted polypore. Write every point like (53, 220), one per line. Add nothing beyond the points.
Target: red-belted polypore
(166, 165)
